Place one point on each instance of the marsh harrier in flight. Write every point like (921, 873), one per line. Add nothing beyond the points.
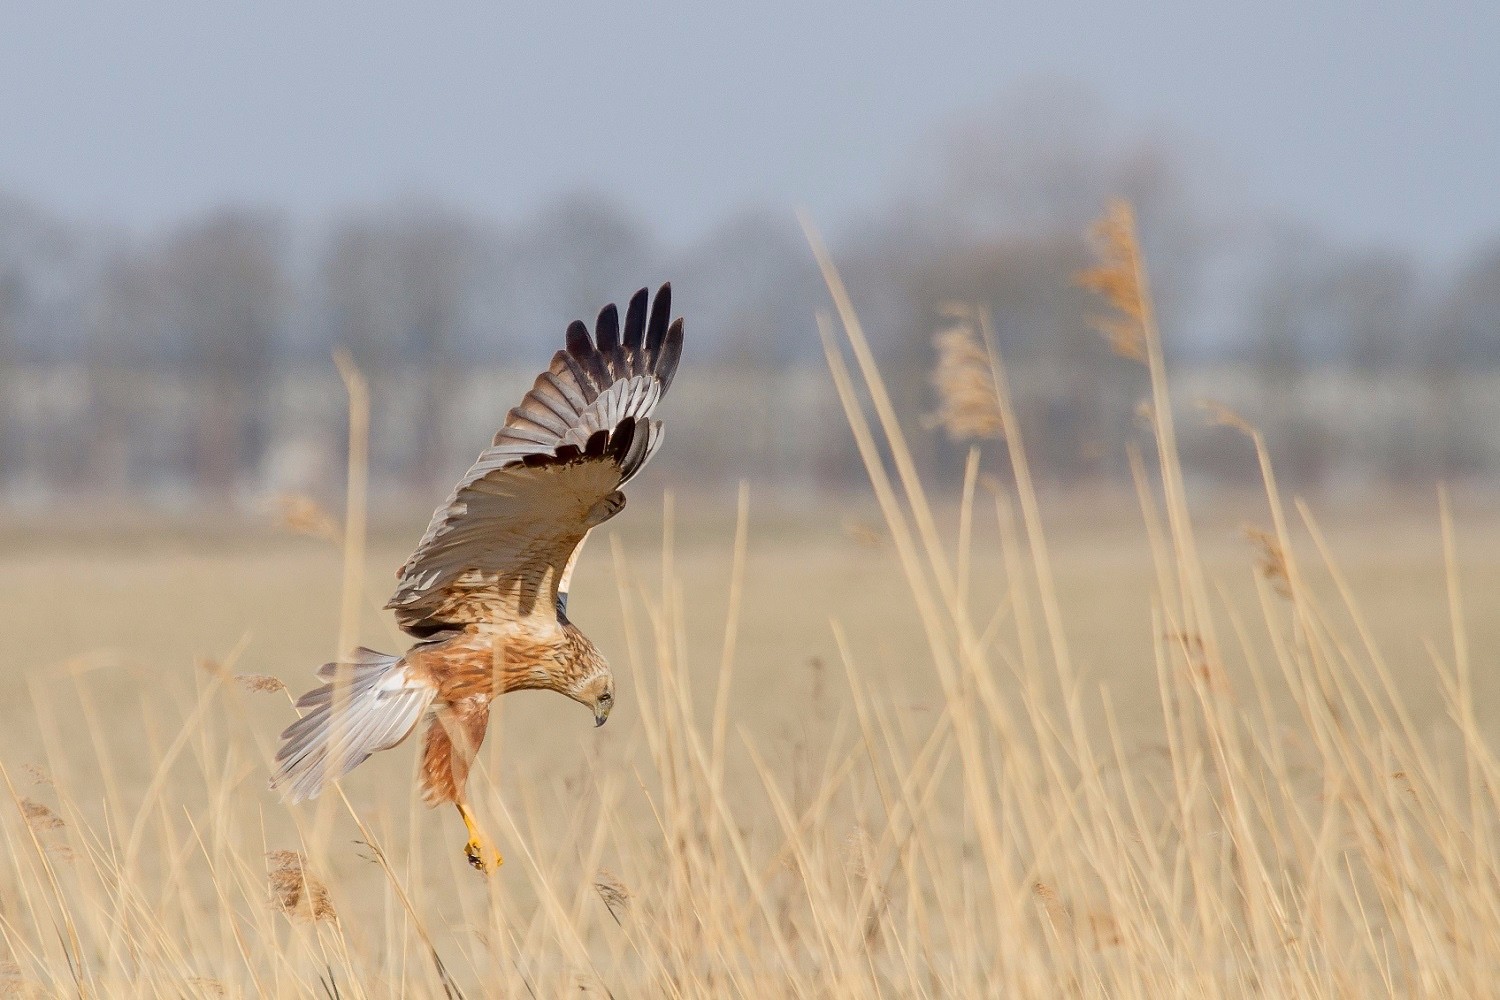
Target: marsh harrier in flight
(486, 592)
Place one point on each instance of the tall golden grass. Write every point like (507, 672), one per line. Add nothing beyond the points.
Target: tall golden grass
(1299, 838)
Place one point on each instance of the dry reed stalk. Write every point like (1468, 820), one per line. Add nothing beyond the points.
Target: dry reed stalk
(356, 486)
(731, 627)
(355, 502)
(920, 510)
(1121, 280)
(938, 608)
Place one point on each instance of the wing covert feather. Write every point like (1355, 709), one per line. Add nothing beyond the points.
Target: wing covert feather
(501, 543)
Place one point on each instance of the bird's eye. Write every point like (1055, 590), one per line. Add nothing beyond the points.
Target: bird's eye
(606, 697)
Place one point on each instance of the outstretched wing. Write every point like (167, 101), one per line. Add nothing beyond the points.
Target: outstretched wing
(499, 546)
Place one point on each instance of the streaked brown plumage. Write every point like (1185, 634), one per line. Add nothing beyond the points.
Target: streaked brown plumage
(485, 593)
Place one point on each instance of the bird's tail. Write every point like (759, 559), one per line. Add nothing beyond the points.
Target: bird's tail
(370, 703)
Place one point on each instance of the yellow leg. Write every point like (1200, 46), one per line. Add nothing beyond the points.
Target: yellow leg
(483, 857)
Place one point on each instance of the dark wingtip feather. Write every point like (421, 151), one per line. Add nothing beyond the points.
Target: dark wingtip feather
(661, 314)
(671, 353)
(579, 344)
(607, 329)
(635, 320)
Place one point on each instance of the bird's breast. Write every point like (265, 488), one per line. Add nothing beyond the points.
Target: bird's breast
(488, 661)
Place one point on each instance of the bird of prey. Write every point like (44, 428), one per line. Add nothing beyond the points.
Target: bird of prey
(486, 592)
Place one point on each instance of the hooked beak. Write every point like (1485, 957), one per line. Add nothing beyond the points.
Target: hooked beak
(601, 715)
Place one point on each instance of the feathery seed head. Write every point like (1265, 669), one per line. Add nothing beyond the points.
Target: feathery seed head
(302, 515)
(968, 409)
(39, 817)
(260, 682)
(295, 891)
(1272, 560)
(47, 827)
(1220, 415)
(613, 891)
(1117, 279)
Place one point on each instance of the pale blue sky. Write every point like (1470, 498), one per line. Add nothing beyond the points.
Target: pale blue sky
(1379, 122)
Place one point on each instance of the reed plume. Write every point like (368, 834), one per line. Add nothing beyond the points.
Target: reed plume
(1117, 279)
(968, 409)
(295, 891)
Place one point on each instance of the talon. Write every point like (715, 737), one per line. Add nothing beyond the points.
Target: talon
(475, 852)
(481, 859)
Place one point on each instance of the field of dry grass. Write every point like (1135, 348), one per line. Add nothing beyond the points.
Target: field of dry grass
(1005, 744)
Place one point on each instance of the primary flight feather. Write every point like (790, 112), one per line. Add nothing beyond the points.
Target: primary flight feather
(486, 591)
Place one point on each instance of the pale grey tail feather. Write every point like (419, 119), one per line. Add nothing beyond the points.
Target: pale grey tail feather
(378, 706)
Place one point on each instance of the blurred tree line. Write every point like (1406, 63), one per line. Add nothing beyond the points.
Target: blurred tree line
(191, 364)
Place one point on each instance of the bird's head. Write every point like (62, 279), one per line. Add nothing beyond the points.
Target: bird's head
(596, 693)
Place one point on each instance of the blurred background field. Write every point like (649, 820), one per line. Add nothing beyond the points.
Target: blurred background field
(1129, 720)
(156, 599)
